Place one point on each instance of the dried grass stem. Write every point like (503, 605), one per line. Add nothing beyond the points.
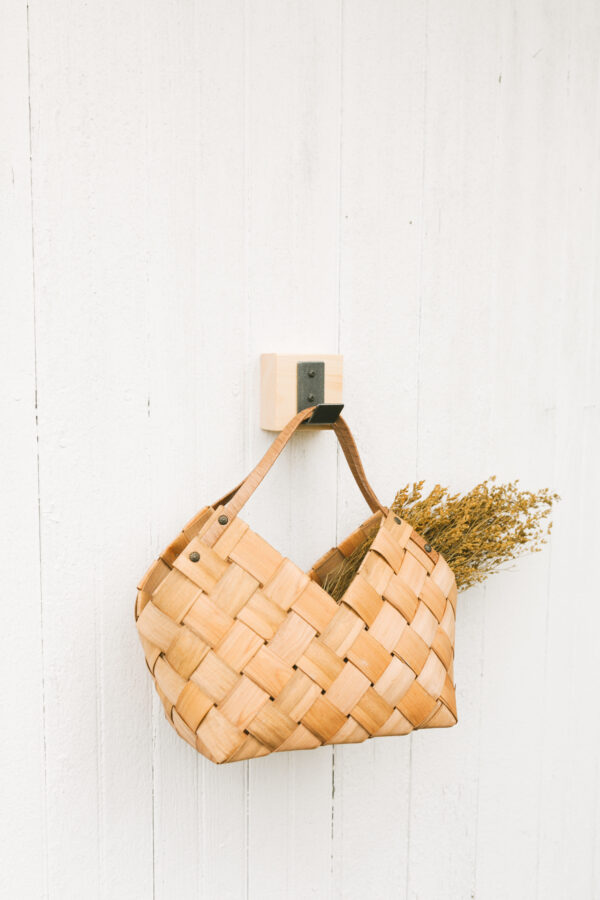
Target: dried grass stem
(477, 533)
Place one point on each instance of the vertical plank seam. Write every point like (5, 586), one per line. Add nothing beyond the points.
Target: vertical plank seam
(100, 789)
(245, 393)
(546, 647)
(200, 789)
(153, 803)
(418, 400)
(422, 249)
(154, 548)
(153, 723)
(482, 652)
(544, 677)
(150, 691)
(199, 773)
(339, 344)
(37, 459)
(479, 731)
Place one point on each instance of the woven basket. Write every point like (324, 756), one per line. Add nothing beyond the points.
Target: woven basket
(249, 654)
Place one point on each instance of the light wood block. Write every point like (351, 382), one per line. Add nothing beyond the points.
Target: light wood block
(279, 385)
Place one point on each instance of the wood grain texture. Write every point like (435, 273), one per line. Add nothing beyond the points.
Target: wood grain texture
(185, 187)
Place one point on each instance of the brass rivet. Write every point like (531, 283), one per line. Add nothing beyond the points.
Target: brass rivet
(397, 520)
(428, 548)
(223, 520)
(194, 556)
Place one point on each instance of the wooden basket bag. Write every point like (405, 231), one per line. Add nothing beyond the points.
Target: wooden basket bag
(249, 654)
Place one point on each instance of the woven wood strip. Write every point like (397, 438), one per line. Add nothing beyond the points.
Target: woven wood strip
(250, 655)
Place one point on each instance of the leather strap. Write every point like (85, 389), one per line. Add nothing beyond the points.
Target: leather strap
(235, 499)
(348, 445)
(226, 497)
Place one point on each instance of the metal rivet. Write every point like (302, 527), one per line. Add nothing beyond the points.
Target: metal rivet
(312, 373)
(223, 520)
(428, 548)
(194, 556)
(397, 520)
(310, 398)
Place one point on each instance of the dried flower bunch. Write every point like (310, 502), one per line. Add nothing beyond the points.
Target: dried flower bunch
(477, 533)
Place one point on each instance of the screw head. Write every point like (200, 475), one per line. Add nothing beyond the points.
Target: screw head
(311, 373)
(397, 520)
(310, 398)
(428, 548)
(194, 556)
(223, 520)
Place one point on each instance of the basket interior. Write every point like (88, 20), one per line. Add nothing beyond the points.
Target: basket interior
(335, 558)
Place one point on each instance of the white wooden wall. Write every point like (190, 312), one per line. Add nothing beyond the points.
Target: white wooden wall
(187, 184)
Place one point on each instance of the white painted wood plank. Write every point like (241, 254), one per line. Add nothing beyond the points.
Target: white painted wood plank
(292, 114)
(530, 262)
(89, 186)
(197, 409)
(22, 829)
(569, 782)
(381, 178)
(220, 370)
(453, 402)
(196, 360)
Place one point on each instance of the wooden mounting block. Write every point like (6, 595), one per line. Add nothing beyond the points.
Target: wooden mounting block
(279, 385)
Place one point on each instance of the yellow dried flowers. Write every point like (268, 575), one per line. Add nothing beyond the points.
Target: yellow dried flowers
(477, 533)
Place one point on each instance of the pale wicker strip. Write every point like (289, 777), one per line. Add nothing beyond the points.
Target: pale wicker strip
(250, 655)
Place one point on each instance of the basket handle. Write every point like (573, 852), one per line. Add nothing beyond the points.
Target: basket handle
(235, 499)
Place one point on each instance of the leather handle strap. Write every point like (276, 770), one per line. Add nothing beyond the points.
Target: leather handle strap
(348, 445)
(235, 499)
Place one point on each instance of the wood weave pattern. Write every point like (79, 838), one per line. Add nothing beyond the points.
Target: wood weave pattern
(250, 655)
